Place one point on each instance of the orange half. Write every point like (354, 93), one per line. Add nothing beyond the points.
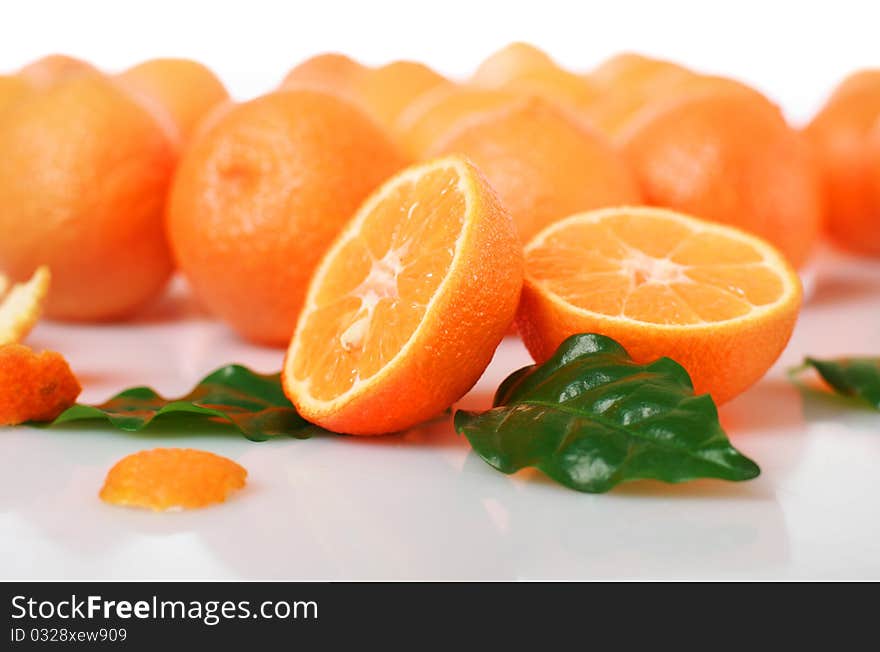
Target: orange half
(406, 309)
(717, 300)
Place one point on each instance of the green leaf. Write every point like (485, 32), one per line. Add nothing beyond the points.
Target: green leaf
(253, 403)
(591, 418)
(857, 378)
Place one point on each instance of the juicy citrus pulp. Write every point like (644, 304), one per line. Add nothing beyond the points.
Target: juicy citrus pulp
(409, 304)
(717, 300)
(172, 478)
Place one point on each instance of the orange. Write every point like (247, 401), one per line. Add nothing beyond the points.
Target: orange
(874, 156)
(186, 89)
(718, 301)
(436, 112)
(731, 158)
(83, 179)
(407, 307)
(840, 136)
(543, 164)
(631, 86)
(632, 70)
(12, 89)
(172, 478)
(330, 72)
(384, 92)
(50, 70)
(259, 196)
(34, 387)
(524, 69)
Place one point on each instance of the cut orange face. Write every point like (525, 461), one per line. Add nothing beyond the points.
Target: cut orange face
(720, 302)
(407, 307)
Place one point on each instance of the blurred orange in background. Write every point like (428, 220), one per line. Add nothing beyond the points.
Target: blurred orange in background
(544, 164)
(186, 89)
(83, 179)
(259, 196)
(731, 158)
(841, 136)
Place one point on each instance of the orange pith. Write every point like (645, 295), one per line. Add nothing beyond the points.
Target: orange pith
(719, 301)
(172, 478)
(407, 307)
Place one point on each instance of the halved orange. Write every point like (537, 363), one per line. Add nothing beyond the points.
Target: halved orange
(717, 300)
(407, 307)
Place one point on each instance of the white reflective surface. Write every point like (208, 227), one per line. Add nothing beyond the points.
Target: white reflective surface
(420, 506)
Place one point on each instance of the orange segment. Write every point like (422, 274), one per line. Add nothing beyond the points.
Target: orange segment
(172, 478)
(717, 300)
(406, 309)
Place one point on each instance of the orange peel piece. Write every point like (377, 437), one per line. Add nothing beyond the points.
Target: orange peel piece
(34, 387)
(166, 479)
(21, 306)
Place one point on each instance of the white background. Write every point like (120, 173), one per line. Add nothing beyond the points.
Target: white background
(793, 51)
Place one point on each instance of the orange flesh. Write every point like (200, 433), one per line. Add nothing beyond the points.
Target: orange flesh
(376, 292)
(653, 269)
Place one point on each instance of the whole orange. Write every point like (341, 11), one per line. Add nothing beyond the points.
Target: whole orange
(49, 70)
(330, 72)
(260, 195)
(731, 158)
(544, 164)
(435, 113)
(840, 136)
(384, 92)
(524, 69)
(186, 89)
(631, 86)
(83, 179)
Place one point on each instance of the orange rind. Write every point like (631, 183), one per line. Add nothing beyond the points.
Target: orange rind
(167, 479)
(34, 387)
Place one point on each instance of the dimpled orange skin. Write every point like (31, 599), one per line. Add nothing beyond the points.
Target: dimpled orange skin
(456, 339)
(543, 164)
(187, 89)
(83, 182)
(731, 158)
(172, 478)
(34, 387)
(839, 135)
(52, 69)
(260, 195)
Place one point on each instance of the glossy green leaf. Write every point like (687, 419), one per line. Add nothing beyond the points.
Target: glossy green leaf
(254, 403)
(857, 378)
(591, 418)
